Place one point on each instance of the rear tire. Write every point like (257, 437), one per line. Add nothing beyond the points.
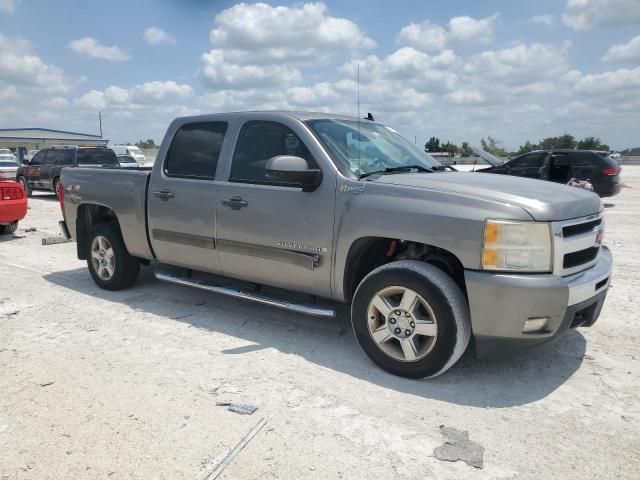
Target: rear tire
(411, 319)
(55, 187)
(23, 181)
(6, 229)
(109, 262)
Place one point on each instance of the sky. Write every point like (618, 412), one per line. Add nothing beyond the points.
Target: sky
(459, 70)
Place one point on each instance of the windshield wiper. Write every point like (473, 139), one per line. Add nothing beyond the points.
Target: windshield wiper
(402, 168)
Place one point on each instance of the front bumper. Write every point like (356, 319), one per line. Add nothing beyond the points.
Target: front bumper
(500, 304)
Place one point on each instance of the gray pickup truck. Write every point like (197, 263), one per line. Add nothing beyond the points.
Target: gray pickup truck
(303, 210)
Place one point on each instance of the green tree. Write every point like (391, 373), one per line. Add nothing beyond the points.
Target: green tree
(563, 141)
(450, 148)
(465, 150)
(493, 146)
(526, 148)
(433, 145)
(147, 144)
(592, 143)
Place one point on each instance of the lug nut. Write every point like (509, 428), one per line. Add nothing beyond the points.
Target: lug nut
(407, 332)
(412, 324)
(392, 320)
(407, 314)
(398, 312)
(397, 331)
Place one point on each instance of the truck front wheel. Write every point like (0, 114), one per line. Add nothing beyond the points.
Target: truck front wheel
(411, 319)
(109, 262)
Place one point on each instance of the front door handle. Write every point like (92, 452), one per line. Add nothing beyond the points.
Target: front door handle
(164, 194)
(235, 203)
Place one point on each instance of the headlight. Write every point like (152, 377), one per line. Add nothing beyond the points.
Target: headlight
(516, 246)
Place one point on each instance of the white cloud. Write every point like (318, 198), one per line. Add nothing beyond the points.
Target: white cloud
(217, 73)
(90, 47)
(585, 14)
(55, 103)
(92, 100)
(147, 94)
(465, 97)
(623, 82)
(260, 33)
(19, 66)
(8, 6)
(624, 52)
(157, 36)
(8, 93)
(461, 31)
(160, 92)
(547, 20)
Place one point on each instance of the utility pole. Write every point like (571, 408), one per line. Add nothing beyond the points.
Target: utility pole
(100, 121)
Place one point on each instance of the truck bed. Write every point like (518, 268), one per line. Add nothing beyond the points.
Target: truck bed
(123, 190)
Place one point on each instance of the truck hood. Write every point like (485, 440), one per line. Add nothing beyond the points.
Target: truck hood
(487, 157)
(544, 201)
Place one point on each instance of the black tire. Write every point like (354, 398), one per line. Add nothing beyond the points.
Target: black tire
(125, 267)
(23, 181)
(55, 186)
(445, 299)
(6, 229)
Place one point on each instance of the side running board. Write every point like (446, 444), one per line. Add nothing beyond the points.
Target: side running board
(305, 309)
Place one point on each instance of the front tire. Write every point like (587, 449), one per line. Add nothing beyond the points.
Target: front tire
(6, 229)
(411, 319)
(55, 187)
(109, 262)
(27, 190)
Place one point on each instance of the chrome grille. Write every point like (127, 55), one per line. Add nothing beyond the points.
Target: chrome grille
(576, 244)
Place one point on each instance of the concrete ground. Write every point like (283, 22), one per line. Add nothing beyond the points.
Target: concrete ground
(124, 385)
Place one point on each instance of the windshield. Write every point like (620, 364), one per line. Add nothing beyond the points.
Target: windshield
(365, 147)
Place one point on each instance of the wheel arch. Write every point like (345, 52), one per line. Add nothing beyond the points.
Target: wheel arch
(368, 253)
(89, 215)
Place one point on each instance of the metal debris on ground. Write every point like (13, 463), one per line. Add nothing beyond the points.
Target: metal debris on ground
(241, 408)
(457, 446)
(31, 229)
(54, 240)
(215, 470)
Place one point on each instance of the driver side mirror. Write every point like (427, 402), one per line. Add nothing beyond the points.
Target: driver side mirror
(26, 161)
(293, 170)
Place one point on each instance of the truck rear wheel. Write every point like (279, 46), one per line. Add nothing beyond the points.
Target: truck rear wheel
(109, 262)
(411, 319)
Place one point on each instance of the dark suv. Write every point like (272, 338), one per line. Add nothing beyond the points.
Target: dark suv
(562, 165)
(42, 172)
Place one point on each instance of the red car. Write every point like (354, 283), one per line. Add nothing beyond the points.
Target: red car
(13, 205)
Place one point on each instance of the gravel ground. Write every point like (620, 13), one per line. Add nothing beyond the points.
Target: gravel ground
(124, 385)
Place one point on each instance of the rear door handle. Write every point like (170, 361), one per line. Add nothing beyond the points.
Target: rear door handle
(235, 203)
(164, 194)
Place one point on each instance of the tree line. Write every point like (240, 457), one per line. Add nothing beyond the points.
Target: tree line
(494, 146)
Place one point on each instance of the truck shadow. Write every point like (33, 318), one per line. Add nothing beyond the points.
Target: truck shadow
(498, 383)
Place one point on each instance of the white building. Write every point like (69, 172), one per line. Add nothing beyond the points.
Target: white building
(23, 139)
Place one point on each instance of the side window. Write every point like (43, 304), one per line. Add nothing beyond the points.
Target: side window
(65, 157)
(583, 159)
(531, 160)
(39, 157)
(258, 142)
(195, 150)
(52, 156)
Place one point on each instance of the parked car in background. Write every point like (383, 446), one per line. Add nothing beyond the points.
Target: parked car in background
(132, 151)
(127, 161)
(346, 209)
(42, 172)
(6, 154)
(13, 206)
(560, 166)
(8, 169)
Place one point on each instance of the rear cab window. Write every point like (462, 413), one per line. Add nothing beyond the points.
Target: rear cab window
(97, 156)
(195, 150)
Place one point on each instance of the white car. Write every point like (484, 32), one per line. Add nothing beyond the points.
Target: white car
(8, 169)
(131, 151)
(7, 155)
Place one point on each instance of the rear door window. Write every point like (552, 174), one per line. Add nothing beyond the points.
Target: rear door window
(195, 150)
